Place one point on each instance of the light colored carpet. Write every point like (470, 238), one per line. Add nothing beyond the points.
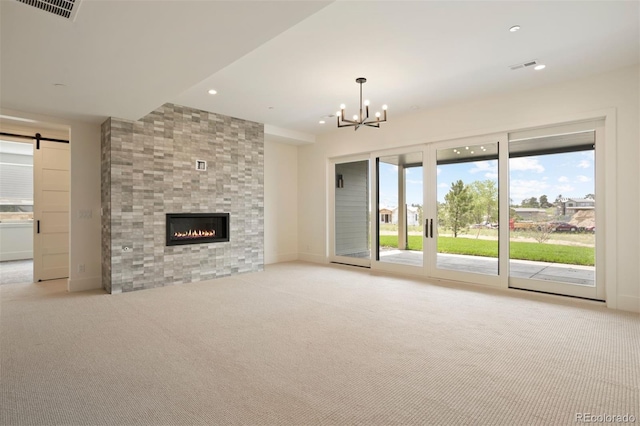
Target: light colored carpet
(311, 344)
(16, 272)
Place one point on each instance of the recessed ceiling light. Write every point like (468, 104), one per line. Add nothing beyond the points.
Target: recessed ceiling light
(213, 92)
(321, 122)
(270, 107)
(539, 67)
(514, 28)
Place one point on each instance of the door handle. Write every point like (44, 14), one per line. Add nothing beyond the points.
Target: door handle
(431, 227)
(426, 229)
(38, 226)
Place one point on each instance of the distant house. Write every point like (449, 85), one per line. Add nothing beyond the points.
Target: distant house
(390, 215)
(527, 213)
(386, 214)
(413, 218)
(570, 206)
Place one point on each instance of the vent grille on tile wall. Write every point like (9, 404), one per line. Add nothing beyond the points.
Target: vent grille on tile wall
(523, 65)
(65, 8)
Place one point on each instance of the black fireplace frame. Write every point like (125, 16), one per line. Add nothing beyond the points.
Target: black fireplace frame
(204, 240)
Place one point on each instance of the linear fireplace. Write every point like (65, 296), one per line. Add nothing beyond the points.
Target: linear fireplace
(197, 228)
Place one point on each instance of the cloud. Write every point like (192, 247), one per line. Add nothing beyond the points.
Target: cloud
(521, 189)
(584, 164)
(443, 185)
(489, 168)
(484, 166)
(525, 164)
(564, 189)
(583, 179)
(563, 179)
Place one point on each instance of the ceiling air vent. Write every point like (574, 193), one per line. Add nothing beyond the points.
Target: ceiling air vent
(65, 8)
(524, 65)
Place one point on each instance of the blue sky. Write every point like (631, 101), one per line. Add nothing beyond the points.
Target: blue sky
(569, 175)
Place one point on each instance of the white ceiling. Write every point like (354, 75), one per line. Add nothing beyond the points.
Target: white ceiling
(287, 64)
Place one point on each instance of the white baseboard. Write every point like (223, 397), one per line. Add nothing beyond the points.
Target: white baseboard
(629, 303)
(314, 258)
(282, 257)
(16, 255)
(84, 284)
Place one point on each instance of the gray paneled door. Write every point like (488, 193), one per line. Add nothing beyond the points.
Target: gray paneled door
(51, 211)
(351, 236)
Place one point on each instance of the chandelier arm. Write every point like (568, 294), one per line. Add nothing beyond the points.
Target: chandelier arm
(361, 119)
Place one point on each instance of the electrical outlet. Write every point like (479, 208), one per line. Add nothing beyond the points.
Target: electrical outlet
(127, 248)
(81, 268)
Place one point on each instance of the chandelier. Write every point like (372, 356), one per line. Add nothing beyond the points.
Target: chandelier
(363, 118)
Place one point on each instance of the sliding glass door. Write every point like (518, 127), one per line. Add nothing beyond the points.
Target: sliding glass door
(463, 239)
(553, 210)
(504, 210)
(399, 225)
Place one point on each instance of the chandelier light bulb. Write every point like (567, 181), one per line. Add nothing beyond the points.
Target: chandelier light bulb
(342, 106)
(384, 107)
(378, 114)
(366, 103)
(337, 113)
(355, 117)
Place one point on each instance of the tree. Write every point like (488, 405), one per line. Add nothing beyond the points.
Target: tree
(485, 201)
(531, 202)
(544, 202)
(558, 201)
(458, 203)
(590, 196)
(542, 231)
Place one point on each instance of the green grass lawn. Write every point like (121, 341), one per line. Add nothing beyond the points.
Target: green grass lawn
(553, 253)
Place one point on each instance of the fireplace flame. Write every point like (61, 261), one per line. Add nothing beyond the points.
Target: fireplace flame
(195, 234)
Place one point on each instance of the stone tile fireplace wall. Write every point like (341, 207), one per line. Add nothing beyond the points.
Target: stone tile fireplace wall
(149, 169)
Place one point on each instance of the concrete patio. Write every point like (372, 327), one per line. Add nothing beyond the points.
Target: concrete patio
(574, 274)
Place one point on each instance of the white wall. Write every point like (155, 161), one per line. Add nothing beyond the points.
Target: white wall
(85, 232)
(280, 202)
(505, 112)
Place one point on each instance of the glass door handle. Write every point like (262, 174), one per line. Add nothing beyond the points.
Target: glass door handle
(428, 228)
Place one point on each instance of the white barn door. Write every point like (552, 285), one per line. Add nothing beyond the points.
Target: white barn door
(51, 211)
